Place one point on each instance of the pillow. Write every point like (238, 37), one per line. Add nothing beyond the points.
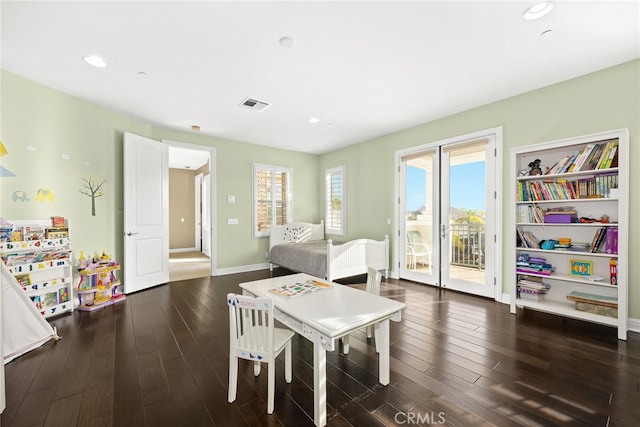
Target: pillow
(292, 233)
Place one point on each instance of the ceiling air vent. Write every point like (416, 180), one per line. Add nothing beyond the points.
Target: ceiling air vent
(254, 104)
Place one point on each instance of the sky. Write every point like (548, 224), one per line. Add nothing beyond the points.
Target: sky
(467, 187)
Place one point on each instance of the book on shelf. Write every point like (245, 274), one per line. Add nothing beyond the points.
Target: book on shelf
(531, 287)
(49, 299)
(579, 247)
(533, 284)
(535, 296)
(533, 270)
(527, 264)
(14, 259)
(611, 240)
(598, 239)
(5, 233)
(36, 301)
(58, 221)
(63, 295)
(34, 232)
(57, 232)
(593, 156)
(23, 280)
(529, 214)
(527, 239)
(607, 154)
(582, 157)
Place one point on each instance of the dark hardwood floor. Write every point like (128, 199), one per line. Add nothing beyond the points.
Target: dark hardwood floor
(161, 359)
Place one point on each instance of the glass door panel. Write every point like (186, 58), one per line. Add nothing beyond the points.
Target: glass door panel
(419, 232)
(464, 201)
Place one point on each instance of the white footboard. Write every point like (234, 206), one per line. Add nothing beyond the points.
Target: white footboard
(352, 258)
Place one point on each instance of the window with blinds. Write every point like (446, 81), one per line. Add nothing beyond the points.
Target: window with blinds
(271, 197)
(335, 214)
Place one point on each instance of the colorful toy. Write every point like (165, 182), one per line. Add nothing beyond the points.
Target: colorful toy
(98, 286)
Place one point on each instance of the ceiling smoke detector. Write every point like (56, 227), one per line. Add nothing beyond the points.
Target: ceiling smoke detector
(254, 104)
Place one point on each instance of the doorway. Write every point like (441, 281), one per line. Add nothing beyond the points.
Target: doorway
(190, 170)
(447, 213)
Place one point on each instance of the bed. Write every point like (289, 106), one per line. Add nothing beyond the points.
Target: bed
(301, 247)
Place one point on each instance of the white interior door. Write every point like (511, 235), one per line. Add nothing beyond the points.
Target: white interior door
(199, 211)
(206, 224)
(146, 213)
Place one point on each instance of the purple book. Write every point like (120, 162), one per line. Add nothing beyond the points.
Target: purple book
(611, 240)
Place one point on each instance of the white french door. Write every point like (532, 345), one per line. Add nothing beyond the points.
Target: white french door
(447, 213)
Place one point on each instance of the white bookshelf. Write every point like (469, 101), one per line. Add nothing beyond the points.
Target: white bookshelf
(48, 280)
(526, 187)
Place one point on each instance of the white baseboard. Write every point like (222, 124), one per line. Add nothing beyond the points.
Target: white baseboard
(194, 249)
(241, 269)
(634, 325)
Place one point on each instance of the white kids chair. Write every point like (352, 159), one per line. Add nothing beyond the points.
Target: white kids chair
(252, 336)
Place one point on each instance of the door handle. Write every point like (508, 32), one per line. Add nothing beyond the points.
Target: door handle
(129, 233)
(443, 231)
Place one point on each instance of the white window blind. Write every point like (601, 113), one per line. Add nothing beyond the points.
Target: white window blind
(271, 197)
(335, 214)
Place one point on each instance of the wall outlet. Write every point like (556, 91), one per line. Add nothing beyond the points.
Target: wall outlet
(266, 255)
(232, 221)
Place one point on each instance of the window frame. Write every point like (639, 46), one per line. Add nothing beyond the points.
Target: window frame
(330, 226)
(288, 202)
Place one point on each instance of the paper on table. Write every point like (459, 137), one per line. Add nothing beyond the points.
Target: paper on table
(299, 288)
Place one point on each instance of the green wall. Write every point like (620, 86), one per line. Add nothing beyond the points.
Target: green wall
(58, 124)
(605, 100)
(55, 124)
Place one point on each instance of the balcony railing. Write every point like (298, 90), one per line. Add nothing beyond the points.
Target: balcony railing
(467, 245)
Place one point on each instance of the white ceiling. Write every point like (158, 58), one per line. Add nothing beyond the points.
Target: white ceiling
(185, 158)
(364, 69)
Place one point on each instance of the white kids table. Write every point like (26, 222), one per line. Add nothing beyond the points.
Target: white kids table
(323, 317)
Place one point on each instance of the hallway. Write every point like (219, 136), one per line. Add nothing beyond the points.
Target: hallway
(188, 265)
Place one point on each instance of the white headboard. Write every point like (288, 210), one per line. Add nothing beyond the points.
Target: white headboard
(295, 232)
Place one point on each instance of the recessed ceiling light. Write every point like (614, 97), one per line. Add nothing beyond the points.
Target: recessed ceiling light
(314, 120)
(95, 60)
(537, 11)
(286, 41)
(195, 128)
